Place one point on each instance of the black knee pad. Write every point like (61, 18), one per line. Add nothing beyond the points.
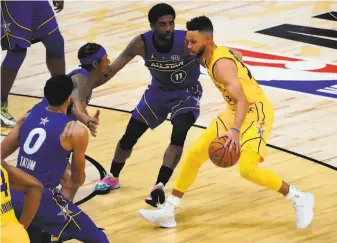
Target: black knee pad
(134, 131)
(181, 125)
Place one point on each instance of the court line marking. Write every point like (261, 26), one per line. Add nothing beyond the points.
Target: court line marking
(102, 171)
(203, 127)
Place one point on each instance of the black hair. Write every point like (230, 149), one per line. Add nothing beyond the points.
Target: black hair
(58, 89)
(88, 50)
(201, 23)
(159, 10)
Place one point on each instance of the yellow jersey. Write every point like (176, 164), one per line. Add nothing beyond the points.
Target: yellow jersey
(7, 212)
(250, 87)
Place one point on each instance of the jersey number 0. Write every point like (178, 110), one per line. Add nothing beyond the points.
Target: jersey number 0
(42, 135)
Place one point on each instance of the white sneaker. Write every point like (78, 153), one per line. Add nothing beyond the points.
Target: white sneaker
(163, 217)
(303, 203)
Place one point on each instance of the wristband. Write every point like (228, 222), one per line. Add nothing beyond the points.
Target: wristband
(235, 129)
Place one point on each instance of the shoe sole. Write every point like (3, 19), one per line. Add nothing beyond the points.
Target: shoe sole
(3, 124)
(102, 192)
(157, 223)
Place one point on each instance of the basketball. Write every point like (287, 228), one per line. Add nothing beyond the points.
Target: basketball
(220, 156)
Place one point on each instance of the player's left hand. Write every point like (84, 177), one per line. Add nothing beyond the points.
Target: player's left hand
(93, 123)
(58, 6)
(233, 140)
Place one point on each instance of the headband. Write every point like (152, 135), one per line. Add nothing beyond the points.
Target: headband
(95, 57)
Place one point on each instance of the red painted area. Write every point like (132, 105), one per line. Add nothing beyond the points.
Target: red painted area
(266, 56)
(329, 68)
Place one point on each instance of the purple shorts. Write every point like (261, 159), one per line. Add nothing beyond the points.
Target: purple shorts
(60, 217)
(156, 104)
(23, 21)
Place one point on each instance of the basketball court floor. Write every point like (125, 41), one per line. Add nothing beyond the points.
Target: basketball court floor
(291, 49)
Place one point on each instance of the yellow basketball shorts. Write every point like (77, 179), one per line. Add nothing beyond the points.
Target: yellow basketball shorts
(254, 131)
(14, 233)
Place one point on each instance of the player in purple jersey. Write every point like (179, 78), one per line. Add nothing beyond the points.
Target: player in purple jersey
(91, 74)
(43, 148)
(174, 90)
(25, 23)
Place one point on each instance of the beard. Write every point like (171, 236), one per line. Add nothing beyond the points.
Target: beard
(201, 51)
(164, 38)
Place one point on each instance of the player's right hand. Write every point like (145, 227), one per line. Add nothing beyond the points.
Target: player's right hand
(93, 123)
(233, 140)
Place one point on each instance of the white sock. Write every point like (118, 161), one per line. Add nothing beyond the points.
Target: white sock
(293, 193)
(160, 184)
(172, 203)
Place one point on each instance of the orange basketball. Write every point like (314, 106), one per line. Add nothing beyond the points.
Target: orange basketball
(220, 156)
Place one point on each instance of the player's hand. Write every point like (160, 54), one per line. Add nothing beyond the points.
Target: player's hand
(233, 140)
(93, 123)
(58, 6)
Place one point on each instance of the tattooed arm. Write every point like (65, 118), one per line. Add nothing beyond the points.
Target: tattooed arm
(135, 48)
(75, 138)
(82, 89)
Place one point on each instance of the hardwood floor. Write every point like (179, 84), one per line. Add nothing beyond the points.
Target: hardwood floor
(220, 206)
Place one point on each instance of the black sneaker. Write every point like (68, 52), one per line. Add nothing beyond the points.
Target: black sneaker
(157, 195)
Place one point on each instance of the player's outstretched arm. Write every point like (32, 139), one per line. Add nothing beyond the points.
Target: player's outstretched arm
(12, 141)
(81, 91)
(135, 48)
(225, 72)
(32, 189)
(79, 142)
